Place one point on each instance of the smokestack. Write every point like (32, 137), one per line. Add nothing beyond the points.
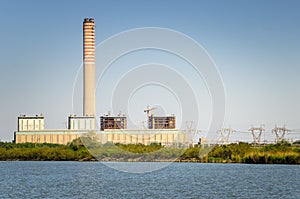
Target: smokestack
(89, 104)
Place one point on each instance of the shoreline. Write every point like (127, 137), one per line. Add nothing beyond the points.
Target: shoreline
(114, 161)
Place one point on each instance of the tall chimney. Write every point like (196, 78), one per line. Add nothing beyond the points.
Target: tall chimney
(89, 104)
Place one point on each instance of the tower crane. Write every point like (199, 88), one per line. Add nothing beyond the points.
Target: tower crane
(148, 109)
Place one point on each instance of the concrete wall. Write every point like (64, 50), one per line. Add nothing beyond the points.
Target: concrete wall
(46, 138)
(171, 138)
(165, 138)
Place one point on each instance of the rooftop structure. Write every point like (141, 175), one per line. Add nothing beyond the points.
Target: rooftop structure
(31, 123)
(81, 122)
(162, 122)
(113, 122)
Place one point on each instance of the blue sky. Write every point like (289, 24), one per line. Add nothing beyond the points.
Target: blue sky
(255, 45)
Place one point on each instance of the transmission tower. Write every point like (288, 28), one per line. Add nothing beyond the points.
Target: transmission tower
(256, 133)
(224, 134)
(190, 129)
(280, 132)
(193, 133)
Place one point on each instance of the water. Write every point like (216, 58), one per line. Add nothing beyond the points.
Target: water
(178, 180)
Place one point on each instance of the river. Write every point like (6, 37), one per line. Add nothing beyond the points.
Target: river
(177, 180)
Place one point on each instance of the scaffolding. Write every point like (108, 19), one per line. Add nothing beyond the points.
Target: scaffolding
(113, 122)
(162, 122)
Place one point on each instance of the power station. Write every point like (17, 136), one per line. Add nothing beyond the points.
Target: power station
(161, 129)
(113, 128)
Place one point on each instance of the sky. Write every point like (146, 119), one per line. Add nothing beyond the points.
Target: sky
(254, 44)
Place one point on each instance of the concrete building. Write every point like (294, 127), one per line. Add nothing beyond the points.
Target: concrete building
(162, 122)
(89, 99)
(113, 122)
(31, 123)
(81, 122)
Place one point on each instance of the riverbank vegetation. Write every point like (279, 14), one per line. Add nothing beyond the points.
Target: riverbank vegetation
(43, 152)
(281, 153)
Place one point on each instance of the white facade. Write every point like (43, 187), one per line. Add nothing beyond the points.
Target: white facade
(31, 123)
(81, 123)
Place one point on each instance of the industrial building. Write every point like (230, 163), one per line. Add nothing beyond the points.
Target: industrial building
(31, 123)
(81, 122)
(112, 128)
(162, 122)
(113, 122)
